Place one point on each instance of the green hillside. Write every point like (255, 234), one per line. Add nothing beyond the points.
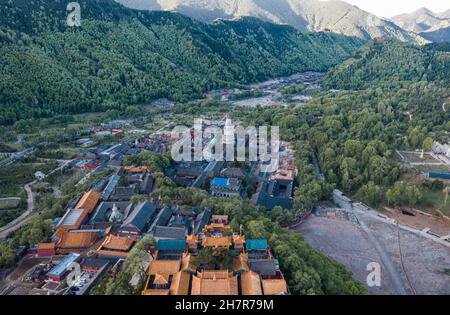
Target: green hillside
(390, 63)
(121, 57)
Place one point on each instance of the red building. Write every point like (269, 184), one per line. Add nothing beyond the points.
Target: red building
(46, 249)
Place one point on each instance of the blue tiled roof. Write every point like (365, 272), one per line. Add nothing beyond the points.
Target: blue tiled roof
(61, 268)
(220, 182)
(439, 175)
(256, 245)
(176, 245)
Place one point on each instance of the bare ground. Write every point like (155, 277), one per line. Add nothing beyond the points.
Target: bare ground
(423, 260)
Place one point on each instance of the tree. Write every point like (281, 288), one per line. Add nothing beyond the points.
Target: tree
(119, 285)
(395, 194)
(427, 144)
(7, 255)
(255, 229)
(403, 194)
(220, 258)
(413, 195)
(139, 255)
(370, 194)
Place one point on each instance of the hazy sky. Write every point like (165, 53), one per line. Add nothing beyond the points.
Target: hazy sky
(389, 8)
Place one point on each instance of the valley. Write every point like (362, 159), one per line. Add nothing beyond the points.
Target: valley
(89, 153)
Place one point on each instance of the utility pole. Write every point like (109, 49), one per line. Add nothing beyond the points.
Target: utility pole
(446, 190)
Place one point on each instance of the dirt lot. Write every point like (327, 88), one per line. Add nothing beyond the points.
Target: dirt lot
(415, 157)
(424, 260)
(420, 221)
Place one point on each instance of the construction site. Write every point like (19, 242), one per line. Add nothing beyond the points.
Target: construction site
(412, 261)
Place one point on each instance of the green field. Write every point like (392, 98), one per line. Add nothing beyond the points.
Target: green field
(9, 203)
(434, 200)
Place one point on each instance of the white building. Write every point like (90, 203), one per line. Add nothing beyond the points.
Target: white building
(442, 151)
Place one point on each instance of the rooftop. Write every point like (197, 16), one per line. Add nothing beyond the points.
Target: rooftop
(256, 244)
(169, 232)
(78, 239)
(274, 286)
(113, 242)
(264, 267)
(73, 217)
(212, 241)
(141, 215)
(164, 267)
(214, 282)
(172, 245)
(89, 201)
(62, 266)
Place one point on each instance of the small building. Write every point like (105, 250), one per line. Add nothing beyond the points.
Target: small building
(93, 264)
(232, 172)
(171, 245)
(146, 186)
(202, 220)
(89, 201)
(137, 222)
(39, 272)
(46, 249)
(162, 218)
(214, 282)
(104, 210)
(116, 247)
(225, 187)
(61, 270)
(439, 175)
(110, 187)
(169, 233)
(39, 176)
(72, 220)
(122, 194)
(76, 241)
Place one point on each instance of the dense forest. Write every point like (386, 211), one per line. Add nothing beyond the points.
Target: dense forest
(120, 56)
(389, 63)
(390, 98)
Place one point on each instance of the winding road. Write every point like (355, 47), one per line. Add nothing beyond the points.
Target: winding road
(24, 218)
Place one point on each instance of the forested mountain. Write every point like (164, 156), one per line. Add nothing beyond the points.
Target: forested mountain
(391, 63)
(313, 15)
(121, 56)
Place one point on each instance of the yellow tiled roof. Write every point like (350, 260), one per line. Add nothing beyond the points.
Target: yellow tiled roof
(212, 241)
(214, 283)
(274, 286)
(240, 263)
(78, 239)
(164, 267)
(46, 246)
(180, 283)
(118, 242)
(155, 292)
(160, 279)
(251, 283)
(89, 201)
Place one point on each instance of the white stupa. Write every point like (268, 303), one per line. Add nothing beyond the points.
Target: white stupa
(116, 216)
(228, 133)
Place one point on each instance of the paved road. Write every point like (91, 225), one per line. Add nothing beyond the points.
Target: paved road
(25, 218)
(385, 258)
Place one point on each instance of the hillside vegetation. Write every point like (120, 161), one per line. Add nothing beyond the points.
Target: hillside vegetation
(392, 63)
(121, 56)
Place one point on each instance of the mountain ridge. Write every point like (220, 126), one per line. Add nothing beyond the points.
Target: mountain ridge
(428, 24)
(305, 15)
(121, 57)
